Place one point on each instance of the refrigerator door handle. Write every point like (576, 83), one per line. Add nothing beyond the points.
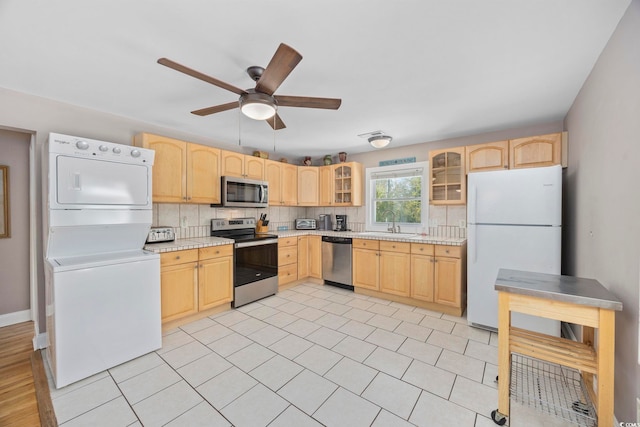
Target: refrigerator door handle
(472, 247)
(473, 197)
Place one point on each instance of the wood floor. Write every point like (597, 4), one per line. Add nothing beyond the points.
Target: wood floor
(20, 393)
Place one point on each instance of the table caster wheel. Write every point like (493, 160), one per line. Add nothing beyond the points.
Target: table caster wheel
(498, 418)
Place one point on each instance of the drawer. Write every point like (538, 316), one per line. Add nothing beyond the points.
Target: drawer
(395, 246)
(216, 251)
(287, 274)
(178, 257)
(287, 241)
(422, 248)
(287, 255)
(449, 251)
(366, 244)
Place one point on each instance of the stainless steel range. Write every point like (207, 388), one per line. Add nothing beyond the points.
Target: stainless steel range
(255, 273)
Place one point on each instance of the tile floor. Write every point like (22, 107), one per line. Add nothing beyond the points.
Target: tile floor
(312, 355)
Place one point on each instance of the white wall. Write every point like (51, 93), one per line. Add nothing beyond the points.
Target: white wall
(602, 231)
(14, 250)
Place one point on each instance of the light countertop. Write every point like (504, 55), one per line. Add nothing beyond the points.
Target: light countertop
(203, 242)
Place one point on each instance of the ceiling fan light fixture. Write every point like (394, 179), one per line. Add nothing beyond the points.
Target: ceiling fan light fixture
(257, 106)
(380, 141)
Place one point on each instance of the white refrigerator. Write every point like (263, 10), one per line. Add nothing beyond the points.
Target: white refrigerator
(514, 220)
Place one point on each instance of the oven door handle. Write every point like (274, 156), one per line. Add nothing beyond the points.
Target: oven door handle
(255, 243)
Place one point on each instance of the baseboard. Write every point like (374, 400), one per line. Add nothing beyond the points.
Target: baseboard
(15, 317)
(40, 341)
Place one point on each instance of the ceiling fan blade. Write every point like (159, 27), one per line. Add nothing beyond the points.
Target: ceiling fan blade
(216, 109)
(279, 124)
(283, 62)
(308, 102)
(198, 75)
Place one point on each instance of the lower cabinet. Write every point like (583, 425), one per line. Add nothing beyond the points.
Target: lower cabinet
(215, 276)
(315, 257)
(434, 274)
(194, 280)
(287, 260)
(178, 284)
(303, 257)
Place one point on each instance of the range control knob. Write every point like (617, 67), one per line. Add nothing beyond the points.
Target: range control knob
(117, 150)
(103, 148)
(135, 153)
(82, 145)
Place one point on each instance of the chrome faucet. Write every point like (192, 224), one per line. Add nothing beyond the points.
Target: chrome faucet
(392, 228)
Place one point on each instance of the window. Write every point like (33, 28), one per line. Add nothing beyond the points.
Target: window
(399, 193)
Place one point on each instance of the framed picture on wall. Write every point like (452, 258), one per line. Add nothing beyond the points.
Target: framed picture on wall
(4, 199)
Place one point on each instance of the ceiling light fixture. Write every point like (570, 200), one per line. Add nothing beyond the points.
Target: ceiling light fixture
(380, 141)
(257, 106)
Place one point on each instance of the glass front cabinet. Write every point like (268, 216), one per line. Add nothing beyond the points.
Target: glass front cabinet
(448, 184)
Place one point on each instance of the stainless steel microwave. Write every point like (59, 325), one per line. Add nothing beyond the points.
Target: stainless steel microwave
(244, 193)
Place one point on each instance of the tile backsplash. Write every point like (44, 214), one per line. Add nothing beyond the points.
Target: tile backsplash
(191, 221)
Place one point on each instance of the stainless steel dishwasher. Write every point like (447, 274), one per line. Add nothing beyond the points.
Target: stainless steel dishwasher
(336, 261)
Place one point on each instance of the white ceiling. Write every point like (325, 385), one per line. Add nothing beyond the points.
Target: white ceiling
(420, 70)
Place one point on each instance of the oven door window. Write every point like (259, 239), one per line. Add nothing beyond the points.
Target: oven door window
(255, 263)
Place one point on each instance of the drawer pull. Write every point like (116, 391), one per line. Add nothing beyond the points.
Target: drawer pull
(178, 257)
(446, 250)
(393, 246)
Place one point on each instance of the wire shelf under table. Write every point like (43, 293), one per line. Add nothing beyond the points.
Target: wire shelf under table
(552, 389)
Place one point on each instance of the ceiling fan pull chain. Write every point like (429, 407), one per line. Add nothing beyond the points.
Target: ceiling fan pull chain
(239, 128)
(274, 133)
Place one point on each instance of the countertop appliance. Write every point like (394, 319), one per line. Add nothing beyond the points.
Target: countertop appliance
(244, 193)
(337, 262)
(102, 290)
(324, 222)
(161, 234)
(341, 223)
(255, 271)
(514, 220)
(306, 224)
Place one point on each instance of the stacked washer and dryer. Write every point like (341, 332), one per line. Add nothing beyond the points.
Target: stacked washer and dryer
(102, 288)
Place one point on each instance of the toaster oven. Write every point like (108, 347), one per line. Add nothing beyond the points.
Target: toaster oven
(305, 224)
(161, 234)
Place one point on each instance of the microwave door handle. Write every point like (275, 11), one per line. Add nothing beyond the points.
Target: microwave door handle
(261, 193)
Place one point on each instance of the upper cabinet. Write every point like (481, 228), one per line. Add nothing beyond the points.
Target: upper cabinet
(530, 152)
(241, 165)
(182, 172)
(448, 183)
(283, 180)
(487, 157)
(341, 184)
(308, 186)
(535, 151)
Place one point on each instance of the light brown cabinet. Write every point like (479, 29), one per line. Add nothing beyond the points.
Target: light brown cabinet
(287, 260)
(448, 179)
(215, 276)
(195, 280)
(341, 184)
(438, 274)
(178, 284)
(529, 152)
(183, 172)
(241, 165)
(283, 183)
(308, 186)
(315, 257)
(487, 157)
(412, 272)
(366, 267)
(395, 268)
(303, 257)
(535, 151)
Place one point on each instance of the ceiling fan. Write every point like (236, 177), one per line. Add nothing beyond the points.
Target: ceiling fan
(260, 103)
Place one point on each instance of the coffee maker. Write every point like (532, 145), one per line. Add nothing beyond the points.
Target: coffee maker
(341, 223)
